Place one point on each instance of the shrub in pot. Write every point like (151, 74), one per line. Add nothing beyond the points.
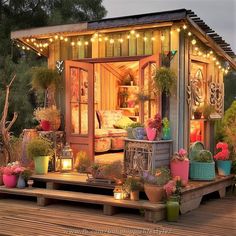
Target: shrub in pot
(154, 182)
(133, 185)
(132, 131)
(114, 171)
(40, 150)
(223, 162)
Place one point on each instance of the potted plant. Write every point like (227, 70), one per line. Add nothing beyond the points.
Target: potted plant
(173, 192)
(10, 174)
(49, 118)
(222, 159)
(131, 127)
(23, 178)
(166, 135)
(154, 182)
(132, 186)
(97, 171)
(202, 166)
(40, 150)
(44, 78)
(198, 112)
(179, 165)
(153, 128)
(83, 162)
(143, 96)
(165, 79)
(207, 111)
(114, 171)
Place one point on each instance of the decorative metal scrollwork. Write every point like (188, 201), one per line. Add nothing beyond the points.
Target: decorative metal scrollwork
(194, 92)
(60, 67)
(217, 96)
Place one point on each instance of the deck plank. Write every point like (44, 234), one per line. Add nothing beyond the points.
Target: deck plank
(20, 217)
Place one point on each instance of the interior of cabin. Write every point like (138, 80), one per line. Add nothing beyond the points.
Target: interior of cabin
(123, 94)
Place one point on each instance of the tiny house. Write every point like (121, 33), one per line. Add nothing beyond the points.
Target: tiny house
(106, 63)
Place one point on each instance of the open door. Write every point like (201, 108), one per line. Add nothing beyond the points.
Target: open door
(147, 67)
(79, 124)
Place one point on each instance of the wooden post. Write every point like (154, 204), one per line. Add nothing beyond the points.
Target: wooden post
(109, 210)
(42, 201)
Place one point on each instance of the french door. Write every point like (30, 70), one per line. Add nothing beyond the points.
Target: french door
(147, 68)
(79, 94)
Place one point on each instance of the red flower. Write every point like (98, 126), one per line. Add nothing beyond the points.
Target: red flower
(224, 153)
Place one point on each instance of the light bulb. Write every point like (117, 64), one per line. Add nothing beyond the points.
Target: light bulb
(194, 41)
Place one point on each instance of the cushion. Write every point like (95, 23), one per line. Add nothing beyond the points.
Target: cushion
(123, 123)
(117, 132)
(117, 143)
(102, 144)
(101, 133)
(109, 117)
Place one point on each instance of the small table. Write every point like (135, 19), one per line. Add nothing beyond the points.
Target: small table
(141, 155)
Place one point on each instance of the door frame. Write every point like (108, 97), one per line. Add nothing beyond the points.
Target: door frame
(143, 60)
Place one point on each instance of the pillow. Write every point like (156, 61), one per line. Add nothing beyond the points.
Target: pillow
(123, 123)
(109, 117)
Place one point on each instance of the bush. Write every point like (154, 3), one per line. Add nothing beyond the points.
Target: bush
(83, 162)
(39, 147)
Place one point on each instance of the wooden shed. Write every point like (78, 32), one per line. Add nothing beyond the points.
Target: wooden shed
(96, 57)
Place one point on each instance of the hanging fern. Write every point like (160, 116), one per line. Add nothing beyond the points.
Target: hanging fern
(165, 79)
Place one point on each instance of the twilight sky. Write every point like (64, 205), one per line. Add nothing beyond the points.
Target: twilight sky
(220, 15)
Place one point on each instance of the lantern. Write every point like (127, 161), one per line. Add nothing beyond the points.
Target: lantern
(66, 159)
(118, 193)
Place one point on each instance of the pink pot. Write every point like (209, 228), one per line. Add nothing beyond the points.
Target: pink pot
(151, 133)
(45, 125)
(10, 181)
(1, 180)
(181, 169)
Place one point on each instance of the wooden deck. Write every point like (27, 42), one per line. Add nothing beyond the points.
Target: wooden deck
(17, 217)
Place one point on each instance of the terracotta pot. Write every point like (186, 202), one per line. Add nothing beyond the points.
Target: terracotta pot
(154, 193)
(151, 133)
(10, 181)
(134, 195)
(45, 124)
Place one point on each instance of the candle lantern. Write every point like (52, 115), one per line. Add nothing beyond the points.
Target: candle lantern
(118, 193)
(66, 159)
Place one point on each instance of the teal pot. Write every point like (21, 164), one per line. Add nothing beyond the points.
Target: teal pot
(172, 208)
(21, 182)
(166, 133)
(41, 164)
(224, 167)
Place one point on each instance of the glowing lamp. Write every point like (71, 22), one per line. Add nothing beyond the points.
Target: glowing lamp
(118, 193)
(66, 159)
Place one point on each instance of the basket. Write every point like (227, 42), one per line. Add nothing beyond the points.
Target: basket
(200, 170)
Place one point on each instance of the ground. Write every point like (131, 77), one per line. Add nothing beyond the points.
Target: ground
(24, 217)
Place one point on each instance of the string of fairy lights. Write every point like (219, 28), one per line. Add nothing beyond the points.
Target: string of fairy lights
(197, 46)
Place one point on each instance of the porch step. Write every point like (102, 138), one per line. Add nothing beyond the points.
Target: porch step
(153, 212)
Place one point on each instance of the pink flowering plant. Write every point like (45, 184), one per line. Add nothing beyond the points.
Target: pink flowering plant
(13, 168)
(223, 154)
(173, 187)
(155, 122)
(181, 155)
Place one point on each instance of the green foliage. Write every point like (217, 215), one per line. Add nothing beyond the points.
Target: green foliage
(132, 184)
(114, 170)
(204, 156)
(229, 87)
(165, 122)
(26, 174)
(165, 79)
(208, 110)
(83, 162)
(22, 14)
(39, 147)
(43, 78)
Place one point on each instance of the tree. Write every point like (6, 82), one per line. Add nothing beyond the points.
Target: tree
(21, 14)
